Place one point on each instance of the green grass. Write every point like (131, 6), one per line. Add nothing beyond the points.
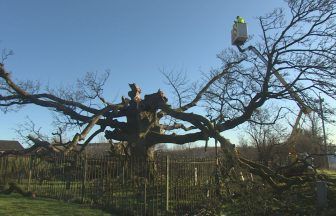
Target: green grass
(18, 205)
(330, 173)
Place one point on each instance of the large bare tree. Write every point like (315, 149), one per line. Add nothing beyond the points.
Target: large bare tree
(299, 42)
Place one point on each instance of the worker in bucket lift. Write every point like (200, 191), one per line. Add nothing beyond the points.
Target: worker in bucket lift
(239, 19)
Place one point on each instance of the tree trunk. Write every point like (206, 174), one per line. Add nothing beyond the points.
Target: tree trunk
(142, 160)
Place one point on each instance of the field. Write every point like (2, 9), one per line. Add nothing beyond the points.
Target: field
(18, 205)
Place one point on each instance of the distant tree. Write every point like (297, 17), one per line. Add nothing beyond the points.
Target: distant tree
(306, 141)
(266, 138)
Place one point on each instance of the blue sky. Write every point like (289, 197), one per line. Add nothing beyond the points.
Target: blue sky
(56, 42)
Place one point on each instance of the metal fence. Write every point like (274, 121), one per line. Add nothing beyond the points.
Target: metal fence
(125, 187)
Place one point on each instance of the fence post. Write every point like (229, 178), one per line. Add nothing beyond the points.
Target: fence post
(145, 196)
(321, 194)
(2, 165)
(29, 179)
(84, 177)
(30, 172)
(6, 167)
(123, 175)
(1, 170)
(167, 183)
(195, 175)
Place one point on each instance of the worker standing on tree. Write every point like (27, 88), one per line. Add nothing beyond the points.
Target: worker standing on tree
(239, 19)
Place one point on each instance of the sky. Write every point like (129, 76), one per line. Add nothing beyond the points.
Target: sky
(56, 42)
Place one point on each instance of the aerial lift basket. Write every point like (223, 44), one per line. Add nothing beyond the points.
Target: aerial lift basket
(239, 33)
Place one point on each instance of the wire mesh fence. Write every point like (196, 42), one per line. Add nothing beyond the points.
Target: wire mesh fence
(127, 187)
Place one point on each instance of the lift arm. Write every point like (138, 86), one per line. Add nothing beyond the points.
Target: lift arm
(239, 35)
(238, 38)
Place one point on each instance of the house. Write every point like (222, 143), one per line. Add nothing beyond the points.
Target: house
(6, 145)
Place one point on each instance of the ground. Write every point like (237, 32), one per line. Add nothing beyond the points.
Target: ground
(16, 204)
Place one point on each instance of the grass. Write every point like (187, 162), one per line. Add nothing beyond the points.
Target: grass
(330, 173)
(16, 204)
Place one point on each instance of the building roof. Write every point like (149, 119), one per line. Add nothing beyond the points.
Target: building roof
(6, 145)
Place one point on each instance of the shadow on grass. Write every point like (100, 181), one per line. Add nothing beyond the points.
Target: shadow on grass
(16, 204)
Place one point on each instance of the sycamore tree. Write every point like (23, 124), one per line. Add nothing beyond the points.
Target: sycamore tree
(299, 41)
